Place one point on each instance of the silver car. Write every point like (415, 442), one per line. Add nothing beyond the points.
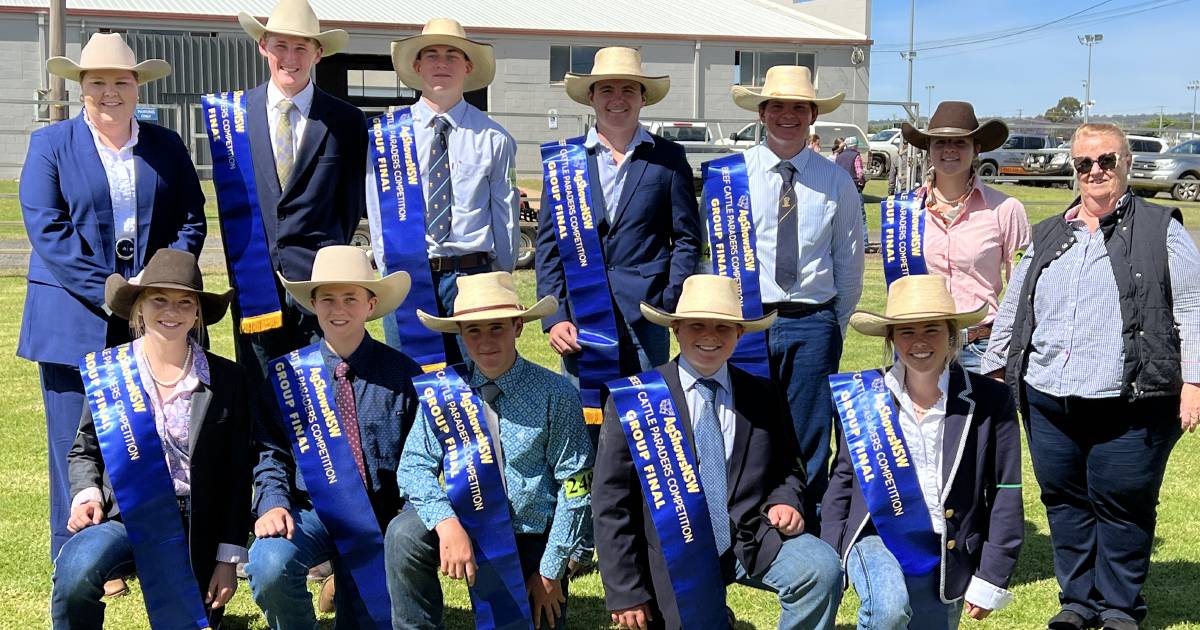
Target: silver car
(1177, 171)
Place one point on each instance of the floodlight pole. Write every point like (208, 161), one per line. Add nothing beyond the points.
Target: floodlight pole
(1089, 40)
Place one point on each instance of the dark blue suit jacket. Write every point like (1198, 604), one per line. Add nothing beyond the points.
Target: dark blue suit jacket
(652, 244)
(68, 215)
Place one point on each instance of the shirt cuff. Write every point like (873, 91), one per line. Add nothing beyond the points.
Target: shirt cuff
(86, 495)
(232, 554)
(554, 562)
(272, 501)
(987, 595)
(1191, 370)
(433, 513)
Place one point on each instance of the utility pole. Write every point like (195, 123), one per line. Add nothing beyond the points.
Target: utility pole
(1193, 87)
(58, 48)
(928, 102)
(1089, 40)
(1161, 109)
(911, 54)
(1019, 112)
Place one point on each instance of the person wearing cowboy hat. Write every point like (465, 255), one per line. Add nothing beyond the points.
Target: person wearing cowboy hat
(200, 408)
(99, 193)
(535, 417)
(973, 231)
(810, 232)
(467, 163)
(961, 433)
(370, 378)
(765, 544)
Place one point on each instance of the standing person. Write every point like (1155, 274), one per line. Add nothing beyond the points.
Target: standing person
(467, 165)
(99, 193)
(1099, 338)
(838, 145)
(851, 162)
(814, 143)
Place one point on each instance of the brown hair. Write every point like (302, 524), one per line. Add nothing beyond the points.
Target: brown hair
(137, 327)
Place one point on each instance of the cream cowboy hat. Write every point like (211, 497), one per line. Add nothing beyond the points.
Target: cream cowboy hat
(785, 83)
(295, 17)
(444, 32)
(108, 51)
(616, 62)
(707, 296)
(484, 297)
(346, 264)
(915, 299)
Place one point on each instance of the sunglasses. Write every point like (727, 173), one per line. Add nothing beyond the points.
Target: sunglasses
(1107, 162)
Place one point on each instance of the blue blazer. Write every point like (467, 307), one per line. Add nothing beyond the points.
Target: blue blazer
(325, 198)
(652, 244)
(69, 219)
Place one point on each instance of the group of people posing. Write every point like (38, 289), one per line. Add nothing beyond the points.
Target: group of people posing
(440, 449)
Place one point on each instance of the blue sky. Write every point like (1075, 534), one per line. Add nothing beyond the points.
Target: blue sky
(1151, 50)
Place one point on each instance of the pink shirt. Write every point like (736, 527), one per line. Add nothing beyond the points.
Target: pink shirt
(976, 250)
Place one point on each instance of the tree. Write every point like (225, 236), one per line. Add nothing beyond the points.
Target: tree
(1067, 109)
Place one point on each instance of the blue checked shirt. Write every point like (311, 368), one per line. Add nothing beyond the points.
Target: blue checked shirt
(543, 441)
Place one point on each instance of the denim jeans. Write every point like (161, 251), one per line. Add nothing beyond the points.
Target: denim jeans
(892, 601)
(972, 354)
(807, 577)
(412, 574)
(278, 569)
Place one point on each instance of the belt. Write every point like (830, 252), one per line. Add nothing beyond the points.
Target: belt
(439, 264)
(125, 248)
(795, 309)
(979, 332)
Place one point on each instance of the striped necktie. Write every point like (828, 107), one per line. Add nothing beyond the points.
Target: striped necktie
(441, 191)
(710, 446)
(787, 235)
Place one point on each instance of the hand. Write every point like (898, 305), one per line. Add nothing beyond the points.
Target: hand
(223, 584)
(636, 618)
(786, 519)
(547, 597)
(458, 559)
(276, 522)
(1189, 407)
(85, 515)
(978, 613)
(564, 338)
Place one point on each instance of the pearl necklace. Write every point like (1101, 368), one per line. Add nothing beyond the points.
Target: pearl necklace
(187, 367)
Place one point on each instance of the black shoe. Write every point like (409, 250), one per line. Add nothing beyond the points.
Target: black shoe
(1120, 624)
(1067, 620)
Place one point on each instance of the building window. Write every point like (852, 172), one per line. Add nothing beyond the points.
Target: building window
(376, 84)
(750, 66)
(576, 59)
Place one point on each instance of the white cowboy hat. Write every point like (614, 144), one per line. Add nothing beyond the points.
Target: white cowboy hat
(785, 83)
(444, 32)
(346, 264)
(295, 17)
(484, 297)
(108, 51)
(616, 62)
(916, 299)
(707, 296)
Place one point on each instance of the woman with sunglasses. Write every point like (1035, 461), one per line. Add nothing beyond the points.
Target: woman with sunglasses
(1099, 339)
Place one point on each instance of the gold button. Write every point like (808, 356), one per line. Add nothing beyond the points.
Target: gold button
(949, 512)
(950, 544)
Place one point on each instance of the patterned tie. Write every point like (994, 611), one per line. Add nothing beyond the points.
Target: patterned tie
(441, 191)
(710, 446)
(344, 395)
(787, 246)
(285, 151)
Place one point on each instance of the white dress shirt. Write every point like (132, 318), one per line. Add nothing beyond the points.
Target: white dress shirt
(298, 114)
(723, 402)
(120, 169)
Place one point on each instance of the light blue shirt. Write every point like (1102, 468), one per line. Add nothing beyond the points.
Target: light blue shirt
(483, 163)
(723, 403)
(830, 225)
(612, 175)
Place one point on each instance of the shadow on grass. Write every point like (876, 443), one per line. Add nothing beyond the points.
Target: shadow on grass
(241, 622)
(1036, 562)
(1171, 593)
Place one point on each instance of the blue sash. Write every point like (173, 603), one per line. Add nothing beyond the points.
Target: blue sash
(734, 250)
(304, 389)
(565, 165)
(885, 472)
(903, 236)
(666, 467)
(402, 218)
(136, 466)
(476, 492)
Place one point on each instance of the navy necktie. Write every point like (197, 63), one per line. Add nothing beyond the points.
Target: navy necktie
(787, 234)
(441, 192)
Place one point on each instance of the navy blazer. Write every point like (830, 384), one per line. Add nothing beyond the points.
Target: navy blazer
(69, 219)
(981, 451)
(763, 470)
(654, 240)
(324, 200)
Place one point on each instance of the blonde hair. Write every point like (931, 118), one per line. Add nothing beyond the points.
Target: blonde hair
(137, 326)
(1101, 129)
(956, 342)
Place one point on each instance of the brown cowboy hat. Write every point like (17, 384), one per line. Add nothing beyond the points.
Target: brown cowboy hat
(956, 119)
(167, 269)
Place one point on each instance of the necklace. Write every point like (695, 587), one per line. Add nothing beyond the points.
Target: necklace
(187, 367)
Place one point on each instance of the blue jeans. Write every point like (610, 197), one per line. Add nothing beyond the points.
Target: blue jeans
(278, 569)
(972, 354)
(446, 285)
(807, 577)
(62, 398)
(892, 601)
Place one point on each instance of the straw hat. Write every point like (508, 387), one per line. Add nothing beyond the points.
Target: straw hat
(295, 17)
(167, 269)
(346, 264)
(785, 83)
(915, 299)
(707, 296)
(484, 297)
(956, 119)
(616, 62)
(444, 32)
(108, 51)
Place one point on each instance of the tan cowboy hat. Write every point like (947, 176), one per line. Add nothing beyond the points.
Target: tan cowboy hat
(616, 62)
(956, 119)
(707, 296)
(346, 264)
(785, 83)
(167, 269)
(484, 297)
(915, 299)
(295, 17)
(444, 32)
(108, 51)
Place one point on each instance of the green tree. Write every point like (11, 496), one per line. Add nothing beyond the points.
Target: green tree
(1067, 109)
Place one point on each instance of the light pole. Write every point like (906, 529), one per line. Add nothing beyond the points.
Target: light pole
(928, 102)
(911, 54)
(1089, 40)
(1193, 86)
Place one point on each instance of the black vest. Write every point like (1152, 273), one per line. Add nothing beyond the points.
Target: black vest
(1137, 250)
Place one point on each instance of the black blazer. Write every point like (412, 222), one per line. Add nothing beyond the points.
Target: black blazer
(981, 450)
(220, 465)
(764, 470)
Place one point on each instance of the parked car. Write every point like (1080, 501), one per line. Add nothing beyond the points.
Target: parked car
(885, 151)
(1057, 162)
(1009, 159)
(1177, 171)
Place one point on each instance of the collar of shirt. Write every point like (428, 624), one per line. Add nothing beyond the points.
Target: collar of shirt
(688, 376)
(593, 139)
(302, 101)
(190, 383)
(129, 144)
(1110, 219)
(895, 382)
(760, 157)
(508, 381)
(423, 114)
(360, 360)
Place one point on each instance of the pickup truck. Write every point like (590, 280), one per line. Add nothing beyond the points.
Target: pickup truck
(1176, 171)
(697, 139)
(1057, 162)
(885, 151)
(1009, 159)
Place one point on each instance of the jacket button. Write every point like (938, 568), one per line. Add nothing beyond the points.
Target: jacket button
(949, 512)
(1137, 275)
(950, 544)
(1058, 253)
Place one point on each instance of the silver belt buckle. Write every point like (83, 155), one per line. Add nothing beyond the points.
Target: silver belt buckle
(125, 249)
